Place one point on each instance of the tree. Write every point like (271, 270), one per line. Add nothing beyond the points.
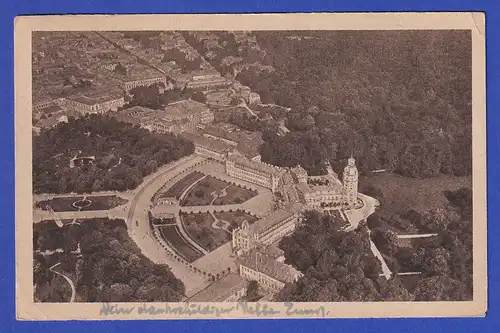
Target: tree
(252, 289)
(337, 265)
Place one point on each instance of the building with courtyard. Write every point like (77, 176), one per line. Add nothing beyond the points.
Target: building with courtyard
(195, 112)
(93, 104)
(328, 191)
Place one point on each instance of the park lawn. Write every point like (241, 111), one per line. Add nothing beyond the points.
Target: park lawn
(235, 195)
(235, 218)
(173, 237)
(199, 227)
(201, 194)
(60, 204)
(98, 202)
(402, 193)
(104, 202)
(177, 189)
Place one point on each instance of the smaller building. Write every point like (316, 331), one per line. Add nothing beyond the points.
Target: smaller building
(270, 274)
(211, 148)
(230, 288)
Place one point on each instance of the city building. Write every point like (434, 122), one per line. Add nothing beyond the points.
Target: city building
(262, 174)
(146, 79)
(230, 288)
(206, 80)
(193, 111)
(138, 115)
(328, 191)
(163, 126)
(41, 103)
(93, 104)
(270, 274)
(247, 143)
(213, 149)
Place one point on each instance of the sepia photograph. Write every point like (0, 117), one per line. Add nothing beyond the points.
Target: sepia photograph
(251, 170)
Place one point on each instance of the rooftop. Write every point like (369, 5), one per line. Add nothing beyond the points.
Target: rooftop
(96, 99)
(185, 106)
(208, 143)
(221, 289)
(265, 264)
(274, 218)
(136, 114)
(257, 166)
(51, 109)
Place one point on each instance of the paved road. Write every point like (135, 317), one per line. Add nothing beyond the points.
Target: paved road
(415, 236)
(73, 290)
(138, 222)
(41, 215)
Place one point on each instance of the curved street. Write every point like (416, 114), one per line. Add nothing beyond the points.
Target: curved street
(138, 222)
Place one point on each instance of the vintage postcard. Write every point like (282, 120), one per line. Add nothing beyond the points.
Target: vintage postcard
(250, 166)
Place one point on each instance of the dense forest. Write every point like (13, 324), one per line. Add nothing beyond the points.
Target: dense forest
(445, 260)
(396, 99)
(123, 154)
(339, 266)
(111, 268)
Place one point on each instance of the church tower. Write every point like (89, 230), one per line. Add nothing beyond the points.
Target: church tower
(351, 182)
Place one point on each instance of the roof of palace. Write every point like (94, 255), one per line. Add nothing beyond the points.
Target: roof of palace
(265, 264)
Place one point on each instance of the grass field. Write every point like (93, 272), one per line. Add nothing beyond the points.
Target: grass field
(402, 193)
(173, 237)
(201, 194)
(236, 218)
(177, 189)
(235, 195)
(199, 227)
(65, 204)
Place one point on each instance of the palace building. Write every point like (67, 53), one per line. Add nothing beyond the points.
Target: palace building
(266, 231)
(328, 191)
(258, 173)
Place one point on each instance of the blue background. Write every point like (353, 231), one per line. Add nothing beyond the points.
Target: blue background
(7, 255)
